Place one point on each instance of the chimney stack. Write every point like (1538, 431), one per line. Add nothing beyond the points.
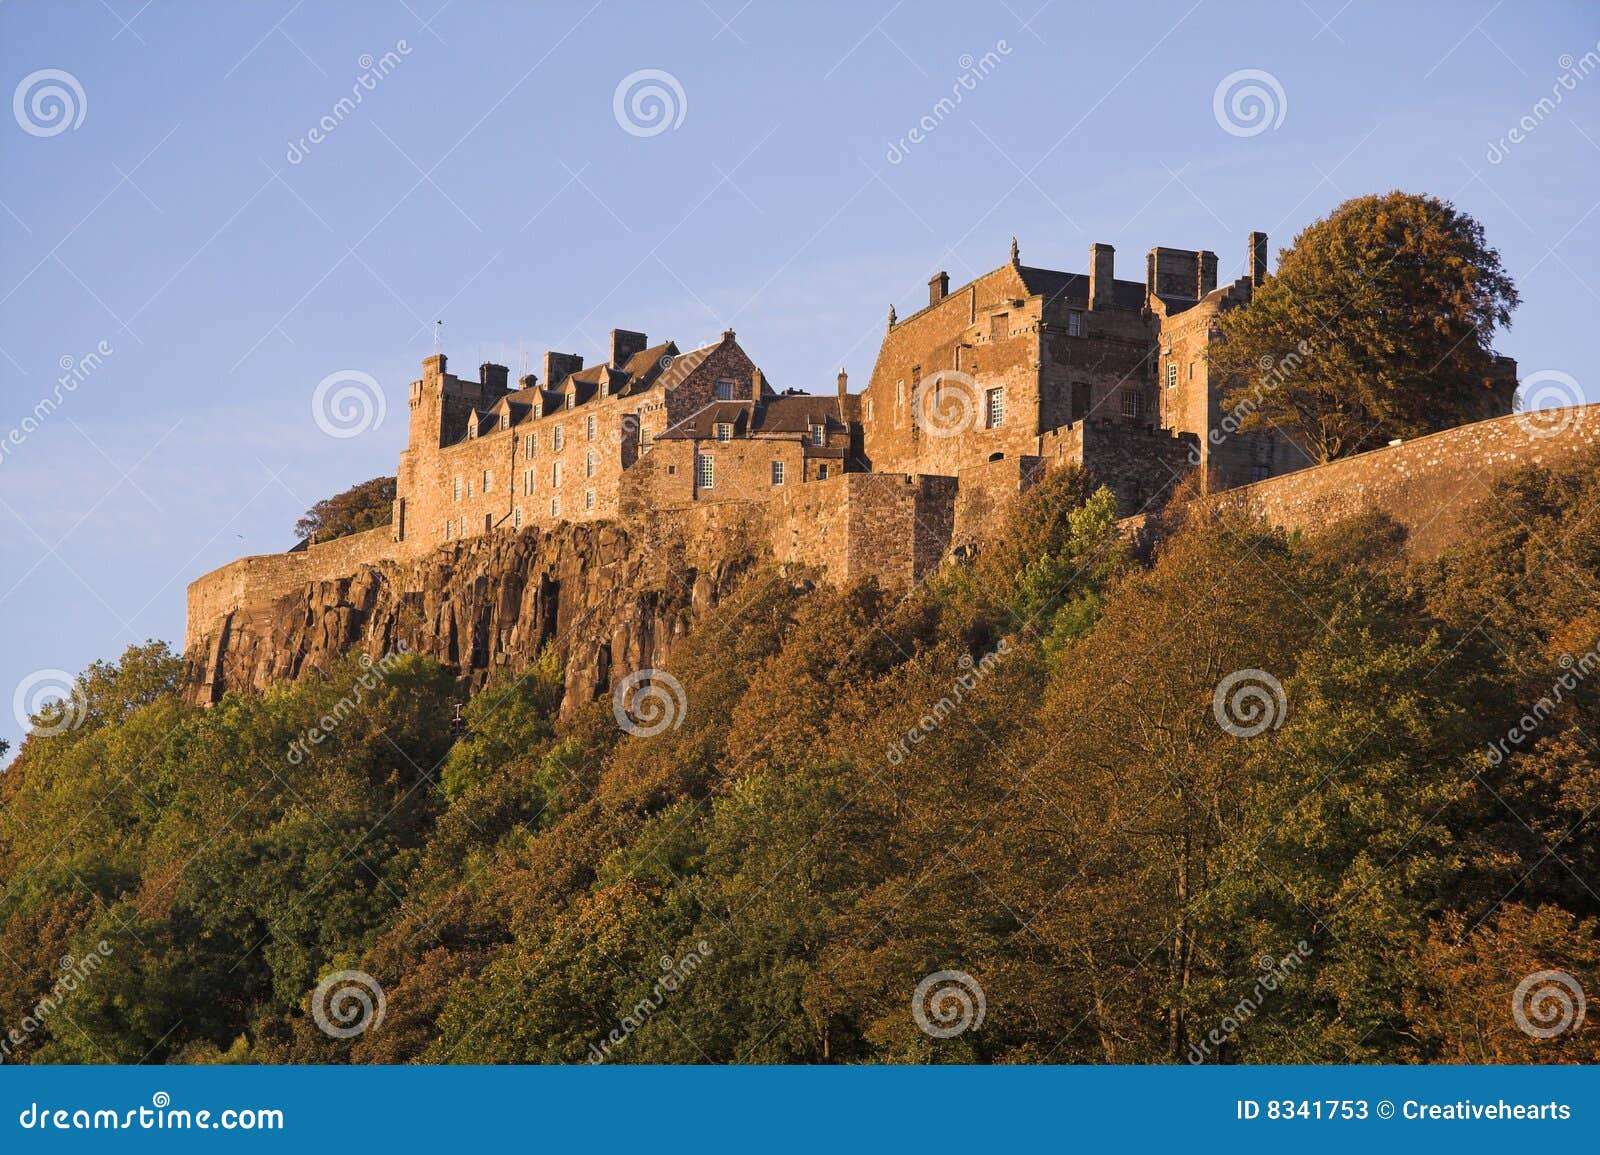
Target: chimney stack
(492, 376)
(758, 384)
(1102, 275)
(844, 381)
(624, 344)
(1258, 258)
(1206, 279)
(528, 380)
(938, 287)
(559, 366)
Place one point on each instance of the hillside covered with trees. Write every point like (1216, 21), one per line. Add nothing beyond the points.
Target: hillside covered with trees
(1117, 794)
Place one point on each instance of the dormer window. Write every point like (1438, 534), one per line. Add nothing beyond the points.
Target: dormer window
(724, 431)
(505, 421)
(472, 427)
(572, 399)
(819, 434)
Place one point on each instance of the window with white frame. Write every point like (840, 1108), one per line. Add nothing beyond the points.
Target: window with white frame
(488, 480)
(724, 390)
(447, 527)
(588, 464)
(516, 517)
(1075, 325)
(819, 434)
(555, 474)
(555, 507)
(469, 487)
(777, 473)
(488, 522)
(558, 439)
(530, 442)
(527, 482)
(458, 488)
(572, 398)
(463, 532)
(994, 408)
(822, 473)
(1132, 404)
(705, 472)
(588, 427)
(1172, 374)
(724, 431)
(588, 499)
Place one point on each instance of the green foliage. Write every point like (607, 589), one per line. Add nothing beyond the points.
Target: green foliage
(1018, 773)
(361, 507)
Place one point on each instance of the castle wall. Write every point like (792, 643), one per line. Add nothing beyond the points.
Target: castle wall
(1429, 484)
(986, 494)
(892, 527)
(1140, 463)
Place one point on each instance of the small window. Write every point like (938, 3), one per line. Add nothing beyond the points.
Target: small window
(505, 421)
(822, 473)
(899, 392)
(777, 473)
(724, 390)
(588, 499)
(469, 487)
(588, 427)
(558, 439)
(572, 399)
(1075, 326)
(472, 427)
(999, 326)
(463, 532)
(705, 472)
(555, 474)
(488, 480)
(527, 482)
(1132, 404)
(672, 471)
(516, 517)
(488, 522)
(447, 527)
(724, 431)
(1191, 370)
(458, 489)
(819, 434)
(994, 408)
(1172, 374)
(588, 464)
(869, 409)
(529, 443)
(555, 507)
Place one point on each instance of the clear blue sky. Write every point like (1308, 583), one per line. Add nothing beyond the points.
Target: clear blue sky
(486, 180)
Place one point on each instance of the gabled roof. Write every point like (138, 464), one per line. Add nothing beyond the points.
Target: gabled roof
(789, 414)
(1073, 288)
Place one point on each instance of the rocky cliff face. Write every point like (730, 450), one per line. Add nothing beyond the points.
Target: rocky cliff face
(611, 599)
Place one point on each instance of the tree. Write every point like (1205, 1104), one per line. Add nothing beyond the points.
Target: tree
(1376, 326)
(361, 507)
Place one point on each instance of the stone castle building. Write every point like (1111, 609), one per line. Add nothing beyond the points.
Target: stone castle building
(970, 397)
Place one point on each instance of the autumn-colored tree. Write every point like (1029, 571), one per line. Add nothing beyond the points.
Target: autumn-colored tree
(1376, 325)
(364, 506)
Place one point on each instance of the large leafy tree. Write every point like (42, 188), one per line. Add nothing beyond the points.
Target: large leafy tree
(364, 506)
(1376, 326)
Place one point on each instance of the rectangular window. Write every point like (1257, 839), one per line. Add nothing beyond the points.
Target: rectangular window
(822, 473)
(705, 472)
(516, 517)
(488, 522)
(1132, 404)
(558, 439)
(1172, 374)
(463, 532)
(899, 392)
(530, 442)
(819, 435)
(555, 507)
(724, 431)
(994, 408)
(724, 390)
(869, 409)
(999, 326)
(505, 421)
(588, 427)
(469, 487)
(588, 499)
(555, 474)
(458, 489)
(1075, 325)
(572, 399)
(447, 526)
(777, 473)
(527, 482)
(588, 464)
(488, 480)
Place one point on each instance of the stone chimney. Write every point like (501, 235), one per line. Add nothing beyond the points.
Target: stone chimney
(433, 367)
(559, 366)
(938, 287)
(844, 381)
(1207, 275)
(758, 384)
(624, 344)
(529, 380)
(1102, 275)
(492, 376)
(1258, 258)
